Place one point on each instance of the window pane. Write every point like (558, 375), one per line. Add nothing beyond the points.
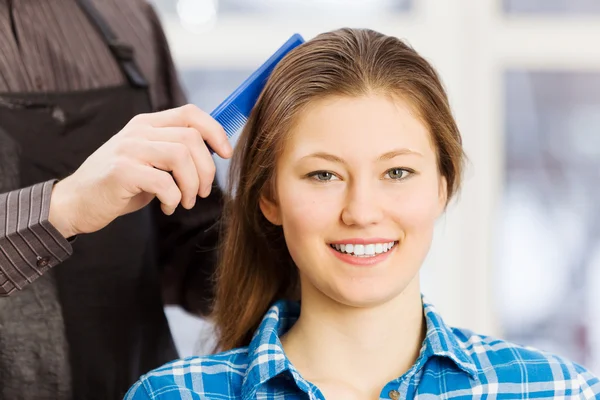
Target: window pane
(552, 6)
(548, 244)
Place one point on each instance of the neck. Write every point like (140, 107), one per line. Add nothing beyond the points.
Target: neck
(361, 347)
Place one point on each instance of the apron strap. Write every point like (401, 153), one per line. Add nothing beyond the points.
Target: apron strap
(122, 52)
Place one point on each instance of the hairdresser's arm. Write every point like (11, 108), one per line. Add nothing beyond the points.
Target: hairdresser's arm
(29, 244)
(159, 155)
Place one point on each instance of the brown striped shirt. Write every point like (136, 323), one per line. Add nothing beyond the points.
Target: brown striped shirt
(50, 46)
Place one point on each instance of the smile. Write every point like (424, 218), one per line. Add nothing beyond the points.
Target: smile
(364, 250)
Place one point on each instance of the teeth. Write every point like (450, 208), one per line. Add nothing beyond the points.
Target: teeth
(361, 250)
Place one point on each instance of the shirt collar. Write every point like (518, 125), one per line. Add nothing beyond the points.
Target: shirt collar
(266, 358)
(440, 340)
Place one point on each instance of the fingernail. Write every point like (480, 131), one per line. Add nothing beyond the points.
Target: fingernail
(168, 210)
(228, 149)
(207, 190)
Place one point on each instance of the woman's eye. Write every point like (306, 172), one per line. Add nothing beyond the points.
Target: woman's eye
(398, 173)
(322, 176)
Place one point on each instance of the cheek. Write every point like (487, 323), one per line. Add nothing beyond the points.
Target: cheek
(306, 210)
(305, 217)
(416, 206)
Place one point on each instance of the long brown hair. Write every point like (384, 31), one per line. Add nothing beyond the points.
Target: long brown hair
(255, 268)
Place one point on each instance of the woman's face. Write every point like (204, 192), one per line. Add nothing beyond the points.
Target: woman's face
(357, 194)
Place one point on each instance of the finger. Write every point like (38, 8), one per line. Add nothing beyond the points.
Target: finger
(205, 165)
(158, 183)
(173, 157)
(206, 171)
(191, 116)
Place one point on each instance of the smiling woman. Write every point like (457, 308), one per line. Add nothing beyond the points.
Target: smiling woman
(349, 157)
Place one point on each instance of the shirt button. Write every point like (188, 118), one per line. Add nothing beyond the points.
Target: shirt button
(394, 394)
(42, 262)
(59, 115)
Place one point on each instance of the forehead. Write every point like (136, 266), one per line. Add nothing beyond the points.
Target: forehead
(359, 126)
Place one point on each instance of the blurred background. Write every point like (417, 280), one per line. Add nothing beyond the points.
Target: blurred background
(518, 253)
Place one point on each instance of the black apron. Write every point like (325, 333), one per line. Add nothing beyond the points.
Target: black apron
(109, 289)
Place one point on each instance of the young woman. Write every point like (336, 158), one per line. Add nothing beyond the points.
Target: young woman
(350, 156)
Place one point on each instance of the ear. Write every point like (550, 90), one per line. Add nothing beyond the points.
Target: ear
(442, 195)
(270, 210)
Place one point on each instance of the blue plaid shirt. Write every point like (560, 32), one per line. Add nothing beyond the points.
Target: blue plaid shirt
(453, 364)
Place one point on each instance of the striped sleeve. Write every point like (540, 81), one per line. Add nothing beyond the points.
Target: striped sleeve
(29, 244)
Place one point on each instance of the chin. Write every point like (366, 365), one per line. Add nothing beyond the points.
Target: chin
(364, 297)
(365, 290)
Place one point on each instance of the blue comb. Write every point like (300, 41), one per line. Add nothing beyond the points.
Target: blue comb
(234, 111)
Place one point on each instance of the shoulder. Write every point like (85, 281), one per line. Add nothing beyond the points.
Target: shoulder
(220, 376)
(502, 362)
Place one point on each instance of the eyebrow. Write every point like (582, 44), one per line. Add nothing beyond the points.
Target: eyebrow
(384, 157)
(400, 152)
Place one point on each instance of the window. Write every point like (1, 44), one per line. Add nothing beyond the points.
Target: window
(549, 237)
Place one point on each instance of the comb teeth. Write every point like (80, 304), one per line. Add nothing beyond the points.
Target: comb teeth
(232, 120)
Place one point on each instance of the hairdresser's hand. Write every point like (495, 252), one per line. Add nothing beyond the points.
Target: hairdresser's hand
(134, 166)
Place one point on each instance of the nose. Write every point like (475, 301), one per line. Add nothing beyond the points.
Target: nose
(362, 207)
